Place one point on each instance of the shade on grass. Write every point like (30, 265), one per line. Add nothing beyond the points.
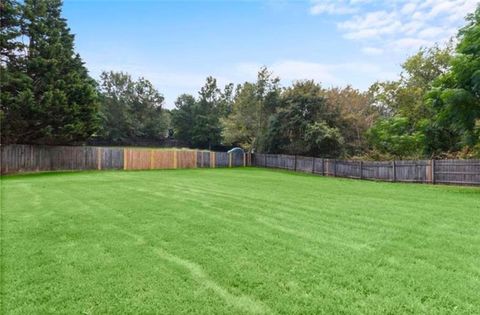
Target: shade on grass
(236, 241)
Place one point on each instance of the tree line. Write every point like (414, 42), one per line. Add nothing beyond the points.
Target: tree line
(47, 97)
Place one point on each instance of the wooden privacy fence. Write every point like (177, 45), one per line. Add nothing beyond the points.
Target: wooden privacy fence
(36, 158)
(463, 172)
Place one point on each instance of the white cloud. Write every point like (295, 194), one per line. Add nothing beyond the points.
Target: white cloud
(337, 74)
(409, 43)
(402, 25)
(292, 70)
(411, 28)
(339, 7)
(409, 8)
(372, 51)
(370, 25)
(431, 32)
(331, 8)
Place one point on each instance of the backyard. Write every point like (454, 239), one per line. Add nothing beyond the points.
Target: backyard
(245, 240)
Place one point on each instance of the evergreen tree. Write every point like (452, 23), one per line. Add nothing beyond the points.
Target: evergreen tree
(59, 103)
(10, 19)
(183, 117)
(15, 86)
(197, 121)
(206, 130)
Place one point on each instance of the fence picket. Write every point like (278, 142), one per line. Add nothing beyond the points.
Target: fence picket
(466, 172)
(35, 158)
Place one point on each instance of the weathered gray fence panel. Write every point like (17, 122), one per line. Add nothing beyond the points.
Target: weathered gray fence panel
(413, 171)
(318, 166)
(304, 164)
(203, 159)
(381, 170)
(457, 171)
(348, 169)
(280, 161)
(221, 159)
(466, 172)
(29, 158)
(258, 159)
(237, 158)
(112, 158)
(330, 167)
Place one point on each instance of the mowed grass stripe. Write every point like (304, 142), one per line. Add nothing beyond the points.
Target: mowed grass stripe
(236, 240)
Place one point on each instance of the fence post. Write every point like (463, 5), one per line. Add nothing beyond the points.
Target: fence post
(229, 159)
(361, 169)
(244, 159)
(195, 158)
(432, 170)
(213, 159)
(334, 167)
(323, 167)
(394, 171)
(265, 157)
(313, 165)
(99, 158)
(125, 159)
(174, 158)
(295, 163)
(151, 159)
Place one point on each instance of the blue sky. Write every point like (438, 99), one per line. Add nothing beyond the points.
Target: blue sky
(177, 44)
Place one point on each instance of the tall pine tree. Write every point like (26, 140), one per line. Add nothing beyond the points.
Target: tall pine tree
(15, 93)
(58, 103)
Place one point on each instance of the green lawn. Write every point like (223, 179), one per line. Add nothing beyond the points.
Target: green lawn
(236, 241)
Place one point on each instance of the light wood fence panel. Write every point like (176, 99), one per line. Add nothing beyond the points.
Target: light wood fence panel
(186, 159)
(137, 159)
(162, 159)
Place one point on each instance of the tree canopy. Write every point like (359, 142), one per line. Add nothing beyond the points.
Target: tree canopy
(130, 109)
(47, 94)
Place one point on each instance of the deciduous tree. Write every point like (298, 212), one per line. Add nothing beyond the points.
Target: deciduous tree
(130, 109)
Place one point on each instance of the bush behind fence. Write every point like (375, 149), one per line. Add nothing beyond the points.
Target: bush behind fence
(36, 158)
(463, 172)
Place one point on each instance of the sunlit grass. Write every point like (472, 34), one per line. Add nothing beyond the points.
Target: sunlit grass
(236, 241)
